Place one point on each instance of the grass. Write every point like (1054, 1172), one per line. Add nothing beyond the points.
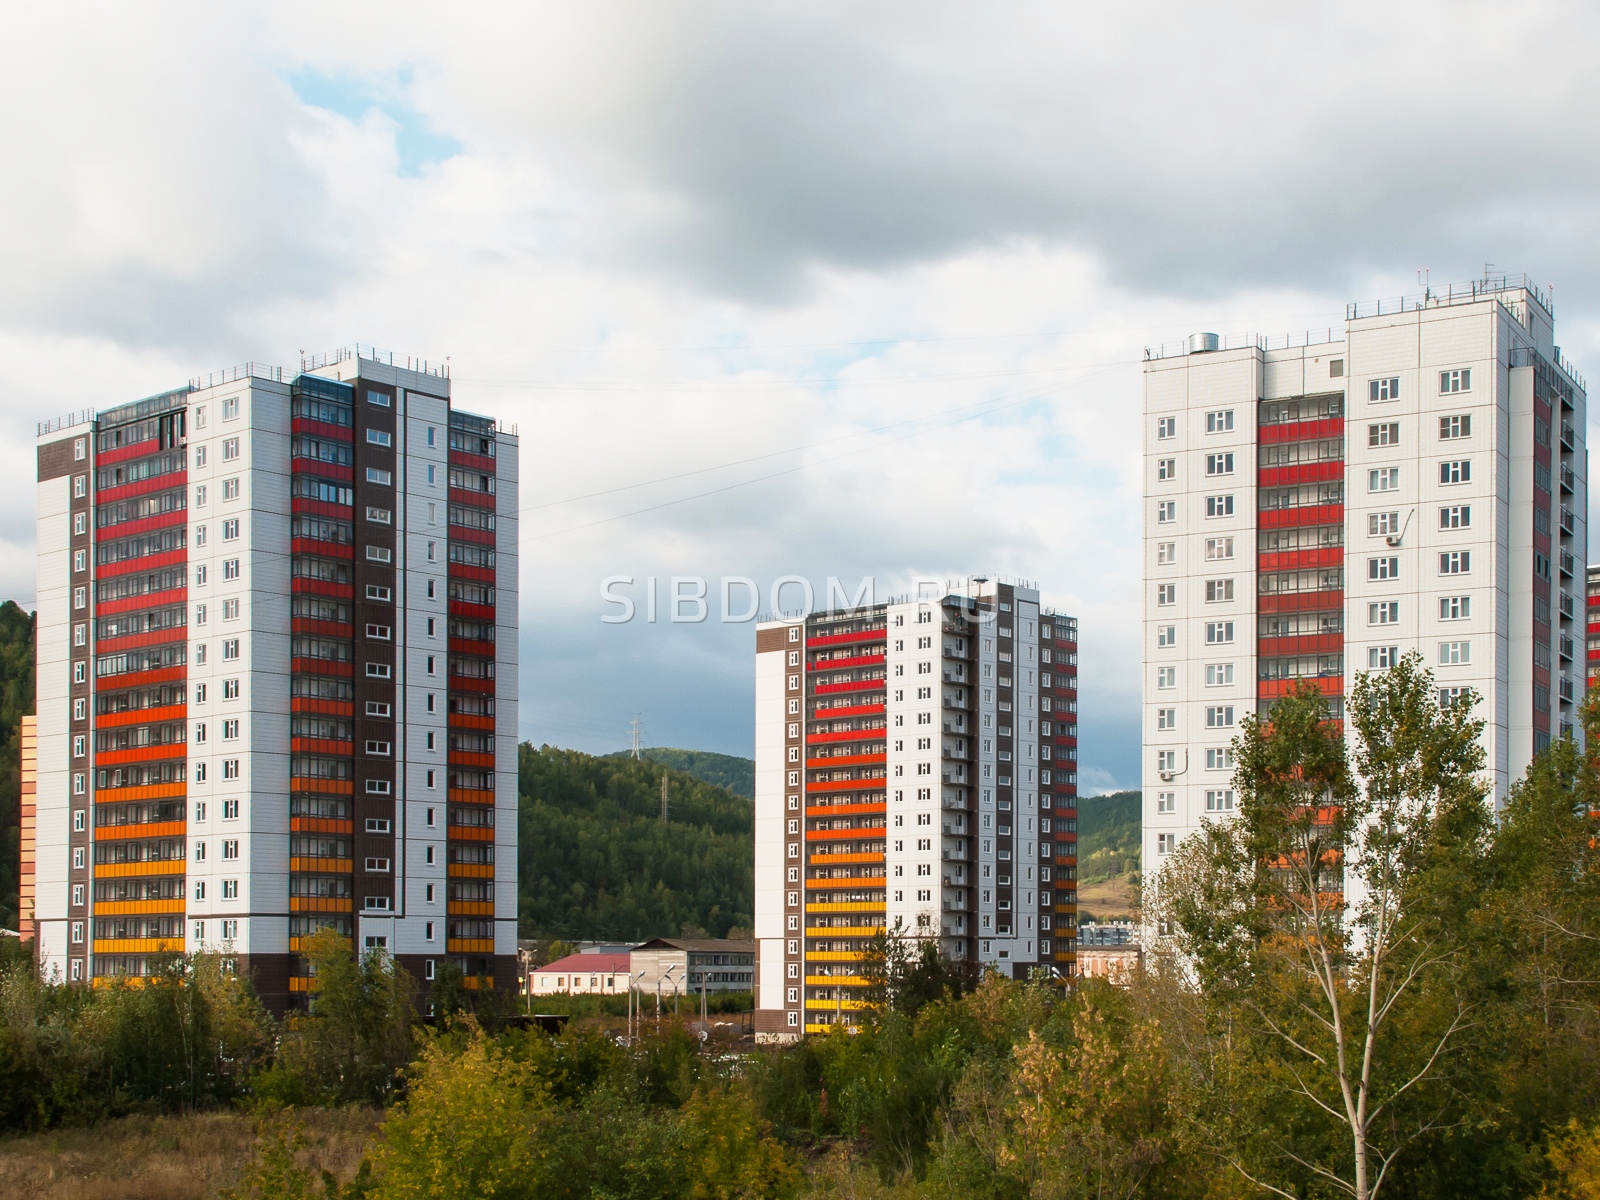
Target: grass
(168, 1158)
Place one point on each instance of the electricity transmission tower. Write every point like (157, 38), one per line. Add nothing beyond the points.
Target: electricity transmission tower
(663, 795)
(634, 731)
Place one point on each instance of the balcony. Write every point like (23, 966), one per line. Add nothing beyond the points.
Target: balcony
(1568, 563)
(1566, 688)
(1569, 479)
(1567, 606)
(1569, 523)
(1568, 438)
(1565, 645)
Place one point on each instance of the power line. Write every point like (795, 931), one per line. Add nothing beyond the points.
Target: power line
(793, 449)
(833, 382)
(1031, 395)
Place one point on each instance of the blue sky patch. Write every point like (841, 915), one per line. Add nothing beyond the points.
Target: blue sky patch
(417, 143)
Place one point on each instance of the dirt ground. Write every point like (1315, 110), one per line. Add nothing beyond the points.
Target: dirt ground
(1115, 897)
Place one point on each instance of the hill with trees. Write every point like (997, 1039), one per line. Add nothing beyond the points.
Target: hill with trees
(1108, 854)
(596, 861)
(729, 771)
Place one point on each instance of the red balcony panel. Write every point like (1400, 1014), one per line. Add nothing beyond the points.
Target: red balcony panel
(1298, 560)
(845, 760)
(478, 612)
(482, 463)
(108, 608)
(149, 562)
(856, 710)
(122, 454)
(305, 745)
(840, 664)
(475, 499)
(1295, 518)
(1300, 602)
(1323, 472)
(1313, 643)
(140, 679)
(166, 520)
(479, 537)
(470, 721)
(476, 574)
(302, 507)
(471, 648)
(465, 683)
(321, 587)
(463, 758)
(1302, 431)
(332, 629)
(321, 549)
(322, 429)
(127, 491)
(1330, 686)
(322, 470)
(321, 666)
(840, 639)
(857, 685)
(847, 735)
(138, 641)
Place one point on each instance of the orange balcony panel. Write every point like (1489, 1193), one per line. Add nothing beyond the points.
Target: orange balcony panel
(133, 908)
(470, 833)
(826, 860)
(112, 833)
(141, 716)
(322, 708)
(152, 791)
(322, 866)
(304, 745)
(836, 835)
(470, 796)
(846, 810)
(326, 904)
(468, 721)
(142, 679)
(848, 735)
(112, 758)
(166, 866)
(469, 945)
(320, 825)
(469, 908)
(470, 870)
(463, 758)
(327, 787)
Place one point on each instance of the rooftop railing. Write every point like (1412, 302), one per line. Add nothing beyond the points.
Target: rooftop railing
(245, 370)
(1467, 292)
(55, 424)
(1250, 341)
(329, 358)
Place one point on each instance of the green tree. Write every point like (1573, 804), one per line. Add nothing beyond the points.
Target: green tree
(356, 1037)
(1329, 921)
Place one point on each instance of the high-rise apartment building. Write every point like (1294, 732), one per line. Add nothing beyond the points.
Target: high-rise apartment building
(916, 772)
(277, 676)
(1416, 481)
(1593, 631)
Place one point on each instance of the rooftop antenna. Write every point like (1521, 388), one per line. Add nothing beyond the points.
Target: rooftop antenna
(1425, 278)
(634, 729)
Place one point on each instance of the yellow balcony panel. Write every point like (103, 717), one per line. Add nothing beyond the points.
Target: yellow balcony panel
(848, 907)
(469, 946)
(138, 945)
(300, 983)
(830, 1028)
(835, 955)
(127, 908)
(838, 1005)
(843, 931)
(1067, 910)
(469, 908)
(470, 871)
(838, 981)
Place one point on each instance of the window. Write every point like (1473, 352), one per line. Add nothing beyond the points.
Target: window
(199, 733)
(1453, 654)
(80, 448)
(199, 456)
(1386, 434)
(377, 437)
(1166, 802)
(381, 633)
(1166, 427)
(200, 535)
(1219, 800)
(1386, 612)
(1219, 716)
(1455, 562)
(1455, 608)
(379, 554)
(230, 689)
(379, 787)
(1218, 632)
(79, 820)
(230, 847)
(230, 449)
(230, 529)
(1166, 511)
(379, 749)
(1448, 696)
(1166, 635)
(230, 768)
(1383, 568)
(1219, 506)
(1455, 471)
(1219, 674)
(80, 597)
(80, 672)
(1220, 422)
(1336, 368)
(1166, 593)
(382, 478)
(379, 825)
(199, 852)
(80, 486)
(1166, 468)
(1219, 590)
(432, 668)
(1219, 548)
(199, 614)
(230, 488)
(80, 560)
(230, 810)
(430, 435)
(1384, 389)
(430, 474)
(381, 399)
(1166, 761)
(1455, 427)
(230, 648)
(1219, 464)
(80, 521)
(1166, 553)
(1166, 843)
(230, 730)
(379, 671)
(1457, 516)
(230, 569)
(230, 409)
(1455, 381)
(432, 551)
(1166, 677)
(377, 866)
(383, 594)
(1384, 479)
(1166, 718)
(230, 610)
(380, 516)
(1381, 658)
(80, 745)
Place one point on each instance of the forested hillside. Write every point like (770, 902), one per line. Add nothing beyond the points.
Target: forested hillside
(730, 771)
(1108, 836)
(597, 861)
(16, 700)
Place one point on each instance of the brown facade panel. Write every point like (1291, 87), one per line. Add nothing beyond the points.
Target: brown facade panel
(775, 638)
(56, 458)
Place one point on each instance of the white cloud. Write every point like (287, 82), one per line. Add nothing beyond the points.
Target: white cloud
(679, 236)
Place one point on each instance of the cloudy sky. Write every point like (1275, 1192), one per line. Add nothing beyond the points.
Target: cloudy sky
(769, 289)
